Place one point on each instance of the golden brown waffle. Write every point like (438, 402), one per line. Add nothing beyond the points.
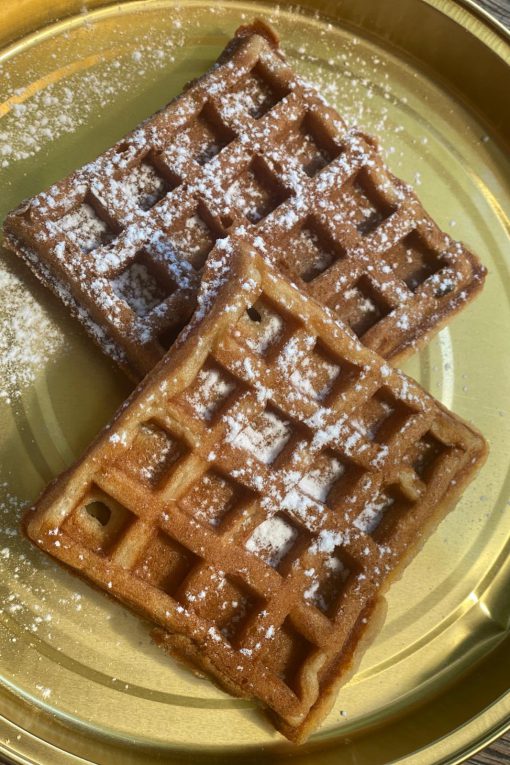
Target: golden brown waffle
(259, 491)
(252, 149)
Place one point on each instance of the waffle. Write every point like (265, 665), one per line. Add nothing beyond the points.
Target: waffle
(259, 491)
(247, 149)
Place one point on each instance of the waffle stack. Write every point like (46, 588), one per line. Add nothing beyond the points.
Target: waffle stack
(252, 149)
(272, 474)
(260, 490)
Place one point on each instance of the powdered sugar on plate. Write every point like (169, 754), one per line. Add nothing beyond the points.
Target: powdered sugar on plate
(61, 102)
(28, 337)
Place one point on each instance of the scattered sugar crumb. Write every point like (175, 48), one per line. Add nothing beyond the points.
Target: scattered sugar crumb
(28, 337)
(44, 691)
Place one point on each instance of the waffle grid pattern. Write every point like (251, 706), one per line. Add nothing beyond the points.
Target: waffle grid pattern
(259, 491)
(249, 150)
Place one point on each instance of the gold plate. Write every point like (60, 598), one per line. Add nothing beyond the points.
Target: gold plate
(82, 681)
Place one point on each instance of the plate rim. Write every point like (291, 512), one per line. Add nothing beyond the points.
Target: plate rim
(473, 19)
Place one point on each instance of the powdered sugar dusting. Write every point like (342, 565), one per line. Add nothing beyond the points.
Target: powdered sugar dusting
(372, 514)
(270, 330)
(267, 440)
(138, 288)
(28, 337)
(85, 228)
(272, 540)
(212, 390)
(37, 117)
(318, 482)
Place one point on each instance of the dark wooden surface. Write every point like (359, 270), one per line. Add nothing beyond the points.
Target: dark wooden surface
(499, 8)
(499, 752)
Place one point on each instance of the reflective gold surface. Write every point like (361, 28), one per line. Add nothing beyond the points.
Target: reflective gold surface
(81, 677)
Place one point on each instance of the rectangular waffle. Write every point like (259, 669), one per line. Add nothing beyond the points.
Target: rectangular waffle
(247, 148)
(259, 491)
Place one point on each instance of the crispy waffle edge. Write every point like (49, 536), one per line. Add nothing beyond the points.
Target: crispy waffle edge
(181, 646)
(15, 239)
